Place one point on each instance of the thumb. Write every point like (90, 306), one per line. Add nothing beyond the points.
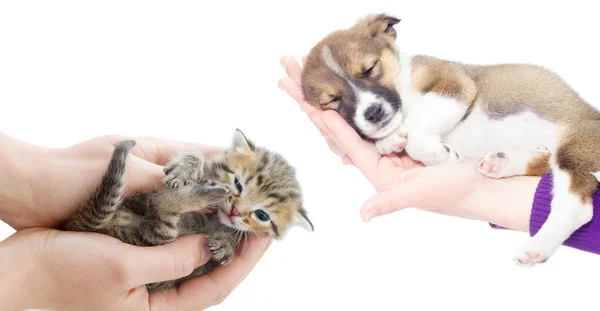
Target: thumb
(168, 261)
(406, 195)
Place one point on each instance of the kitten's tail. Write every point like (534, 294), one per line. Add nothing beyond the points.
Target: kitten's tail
(107, 197)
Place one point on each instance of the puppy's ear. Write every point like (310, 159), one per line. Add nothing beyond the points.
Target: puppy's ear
(378, 25)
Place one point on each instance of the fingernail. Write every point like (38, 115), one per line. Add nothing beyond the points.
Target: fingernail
(206, 254)
(371, 214)
(283, 64)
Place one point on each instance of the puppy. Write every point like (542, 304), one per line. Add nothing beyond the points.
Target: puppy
(515, 119)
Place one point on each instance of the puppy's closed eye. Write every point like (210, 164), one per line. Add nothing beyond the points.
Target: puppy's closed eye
(372, 69)
(330, 102)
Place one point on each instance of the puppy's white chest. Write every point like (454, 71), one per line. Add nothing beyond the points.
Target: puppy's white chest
(479, 134)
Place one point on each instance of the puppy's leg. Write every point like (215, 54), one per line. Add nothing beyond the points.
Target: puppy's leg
(430, 150)
(515, 163)
(574, 183)
(432, 117)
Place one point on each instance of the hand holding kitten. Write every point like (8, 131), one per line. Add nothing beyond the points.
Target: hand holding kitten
(48, 184)
(56, 270)
(53, 269)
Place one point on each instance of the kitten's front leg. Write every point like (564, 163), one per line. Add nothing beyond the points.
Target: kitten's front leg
(185, 169)
(223, 243)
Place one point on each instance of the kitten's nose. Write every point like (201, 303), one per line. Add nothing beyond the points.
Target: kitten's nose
(374, 114)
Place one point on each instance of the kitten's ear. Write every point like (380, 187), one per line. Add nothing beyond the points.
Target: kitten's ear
(240, 143)
(303, 221)
(378, 25)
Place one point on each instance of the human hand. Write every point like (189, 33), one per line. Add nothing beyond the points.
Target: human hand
(48, 185)
(56, 270)
(456, 190)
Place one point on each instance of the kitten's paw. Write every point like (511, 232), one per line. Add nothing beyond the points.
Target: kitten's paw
(213, 192)
(493, 165)
(532, 253)
(221, 245)
(184, 170)
(391, 144)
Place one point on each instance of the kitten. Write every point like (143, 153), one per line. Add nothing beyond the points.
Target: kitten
(244, 190)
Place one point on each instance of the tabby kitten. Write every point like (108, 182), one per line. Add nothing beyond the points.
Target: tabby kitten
(244, 190)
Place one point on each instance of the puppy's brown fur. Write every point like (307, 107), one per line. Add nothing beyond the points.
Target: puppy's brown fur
(495, 92)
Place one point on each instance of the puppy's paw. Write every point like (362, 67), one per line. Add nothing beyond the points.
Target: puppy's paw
(536, 251)
(394, 143)
(501, 164)
(447, 155)
(221, 245)
(184, 170)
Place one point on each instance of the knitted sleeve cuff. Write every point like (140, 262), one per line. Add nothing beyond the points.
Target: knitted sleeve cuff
(586, 238)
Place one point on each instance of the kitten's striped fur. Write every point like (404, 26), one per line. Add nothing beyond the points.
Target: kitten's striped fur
(201, 196)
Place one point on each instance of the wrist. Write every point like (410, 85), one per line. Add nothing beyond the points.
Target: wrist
(505, 202)
(21, 272)
(17, 160)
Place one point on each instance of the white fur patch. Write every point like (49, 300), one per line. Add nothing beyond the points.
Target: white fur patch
(567, 215)
(525, 132)
(366, 99)
(597, 175)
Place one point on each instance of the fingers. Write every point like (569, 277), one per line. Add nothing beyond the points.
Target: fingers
(409, 192)
(156, 150)
(294, 89)
(212, 288)
(161, 151)
(165, 262)
(346, 160)
(292, 68)
(363, 155)
(142, 175)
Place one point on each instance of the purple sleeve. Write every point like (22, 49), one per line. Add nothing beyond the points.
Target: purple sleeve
(586, 238)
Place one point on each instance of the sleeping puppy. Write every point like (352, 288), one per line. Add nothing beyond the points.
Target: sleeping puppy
(514, 119)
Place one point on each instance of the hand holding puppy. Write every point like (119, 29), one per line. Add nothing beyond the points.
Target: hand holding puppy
(454, 189)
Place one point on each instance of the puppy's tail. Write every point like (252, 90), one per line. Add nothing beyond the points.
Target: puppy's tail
(108, 195)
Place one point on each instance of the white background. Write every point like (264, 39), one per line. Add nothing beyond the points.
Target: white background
(196, 70)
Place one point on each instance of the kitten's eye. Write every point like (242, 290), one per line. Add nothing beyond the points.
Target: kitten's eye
(261, 215)
(238, 185)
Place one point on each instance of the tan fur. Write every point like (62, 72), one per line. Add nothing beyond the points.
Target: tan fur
(390, 66)
(538, 165)
(323, 86)
(430, 74)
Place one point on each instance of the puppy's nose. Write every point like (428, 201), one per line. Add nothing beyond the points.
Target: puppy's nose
(374, 114)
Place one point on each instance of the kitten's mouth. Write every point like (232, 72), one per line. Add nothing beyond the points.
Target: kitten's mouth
(226, 215)
(233, 211)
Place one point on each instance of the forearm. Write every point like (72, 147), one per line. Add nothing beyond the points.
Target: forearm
(505, 202)
(17, 271)
(17, 160)
(12, 192)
